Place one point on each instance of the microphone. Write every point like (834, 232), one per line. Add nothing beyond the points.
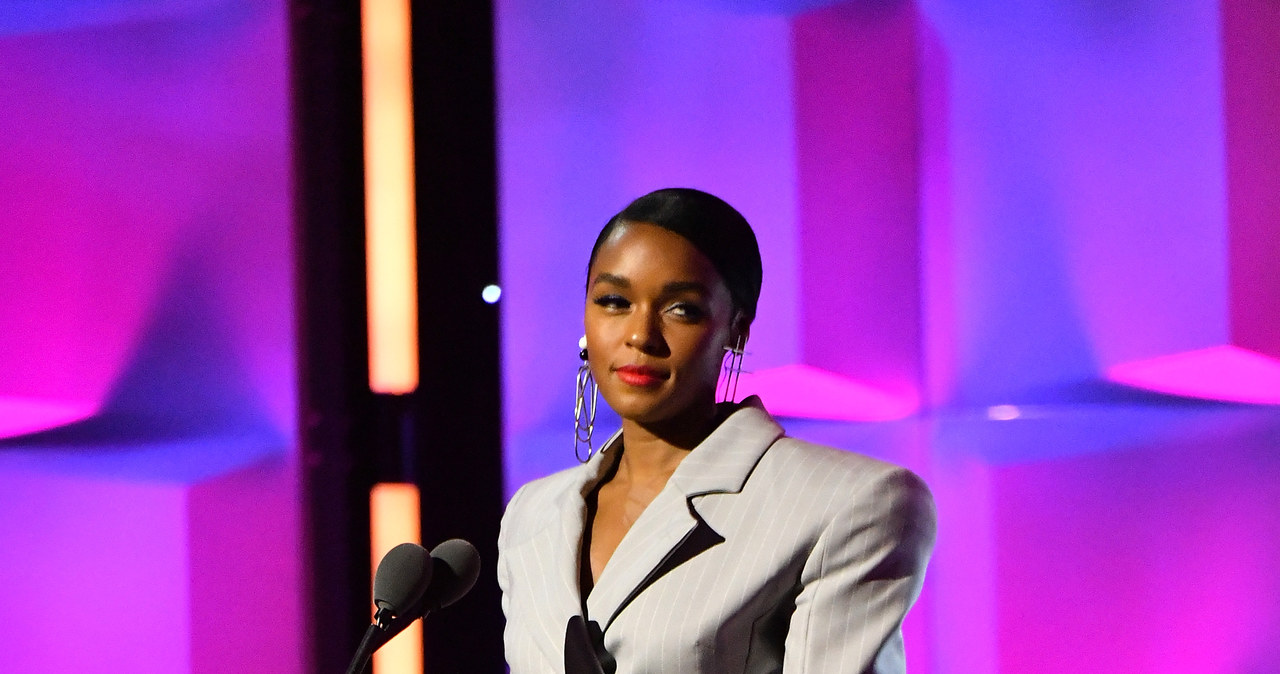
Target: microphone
(455, 568)
(402, 578)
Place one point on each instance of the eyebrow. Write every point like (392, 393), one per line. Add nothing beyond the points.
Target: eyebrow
(682, 286)
(611, 279)
(670, 288)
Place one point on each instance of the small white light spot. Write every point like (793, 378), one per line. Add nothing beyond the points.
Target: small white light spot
(491, 293)
(1003, 412)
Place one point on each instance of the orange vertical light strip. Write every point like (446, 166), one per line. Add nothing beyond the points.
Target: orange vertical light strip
(394, 518)
(390, 243)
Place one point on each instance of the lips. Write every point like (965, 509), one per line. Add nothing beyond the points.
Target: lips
(639, 375)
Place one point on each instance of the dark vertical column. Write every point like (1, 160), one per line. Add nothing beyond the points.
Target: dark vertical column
(334, 400)
(459, 421)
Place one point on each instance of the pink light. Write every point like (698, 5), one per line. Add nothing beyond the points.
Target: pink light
(22, 416)
(808, 392)
(1225, 372)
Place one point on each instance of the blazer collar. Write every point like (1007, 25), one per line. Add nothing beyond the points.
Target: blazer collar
(724, 460)
(552, 548)
(573, 506)
(721, 463)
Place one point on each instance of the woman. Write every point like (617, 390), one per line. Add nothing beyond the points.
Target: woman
(700, 538)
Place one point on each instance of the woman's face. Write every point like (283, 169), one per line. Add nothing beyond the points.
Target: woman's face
(658, 317)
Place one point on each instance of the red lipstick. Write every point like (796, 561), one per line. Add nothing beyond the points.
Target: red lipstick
(639, 375)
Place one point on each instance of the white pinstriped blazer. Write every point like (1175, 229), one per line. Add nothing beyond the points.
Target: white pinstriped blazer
(762, 554)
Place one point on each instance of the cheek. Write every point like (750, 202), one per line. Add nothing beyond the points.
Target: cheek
(598, 345)
(598, 364)
(592, 327)
(705, 352)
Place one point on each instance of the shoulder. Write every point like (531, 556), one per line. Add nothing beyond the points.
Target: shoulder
(851, 490)
(537, 504)
(547, 488)
(812, 478)
(837, 470)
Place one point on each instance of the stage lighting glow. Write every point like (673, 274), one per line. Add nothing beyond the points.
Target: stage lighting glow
(1003, 412)
(491, 294)
(395, 518)
(390, 241)
(391, 252)
(807, 392)
(1227, 373)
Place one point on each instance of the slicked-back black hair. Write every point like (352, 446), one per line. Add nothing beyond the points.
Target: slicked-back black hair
(714, 227)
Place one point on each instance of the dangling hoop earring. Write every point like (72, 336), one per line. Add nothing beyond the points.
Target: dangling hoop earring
(732, 368)
(584, 413)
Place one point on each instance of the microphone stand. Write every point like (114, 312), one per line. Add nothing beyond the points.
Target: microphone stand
(365, 651)
(371, 641)
(416, 610)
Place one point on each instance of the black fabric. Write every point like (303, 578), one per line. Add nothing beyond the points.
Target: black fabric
(584, 651)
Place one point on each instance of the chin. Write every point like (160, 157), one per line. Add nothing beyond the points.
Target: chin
(651, 407)
(631, 408)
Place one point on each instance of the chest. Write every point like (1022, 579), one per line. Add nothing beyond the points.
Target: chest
(720, 604)
(611, 514)
(716, 594)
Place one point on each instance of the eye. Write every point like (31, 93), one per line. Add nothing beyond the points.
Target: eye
(687, 311)
(612, 302)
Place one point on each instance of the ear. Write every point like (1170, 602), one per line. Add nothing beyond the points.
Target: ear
(739, 330)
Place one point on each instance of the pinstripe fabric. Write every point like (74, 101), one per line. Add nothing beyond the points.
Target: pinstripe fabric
(762, 554)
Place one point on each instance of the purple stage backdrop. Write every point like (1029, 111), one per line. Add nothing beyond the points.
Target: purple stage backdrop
(1027, 249)
(148, 508)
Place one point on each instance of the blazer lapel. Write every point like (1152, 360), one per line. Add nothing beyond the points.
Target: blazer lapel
(554, 550)
(663, 524)
(671, 531)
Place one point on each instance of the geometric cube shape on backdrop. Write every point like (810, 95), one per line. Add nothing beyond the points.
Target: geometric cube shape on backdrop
(1156, 557)
(127, 559)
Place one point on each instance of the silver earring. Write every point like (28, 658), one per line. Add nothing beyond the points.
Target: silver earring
(732, 368)
(584, 413)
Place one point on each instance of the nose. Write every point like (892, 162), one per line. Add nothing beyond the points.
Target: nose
(645, 332)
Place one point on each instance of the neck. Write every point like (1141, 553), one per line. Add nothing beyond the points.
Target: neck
(653, 451)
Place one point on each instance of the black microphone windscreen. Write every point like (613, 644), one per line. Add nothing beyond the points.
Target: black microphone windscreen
(457, 566)
(402, 576)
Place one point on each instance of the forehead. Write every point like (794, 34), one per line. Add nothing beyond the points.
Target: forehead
(642, 252)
